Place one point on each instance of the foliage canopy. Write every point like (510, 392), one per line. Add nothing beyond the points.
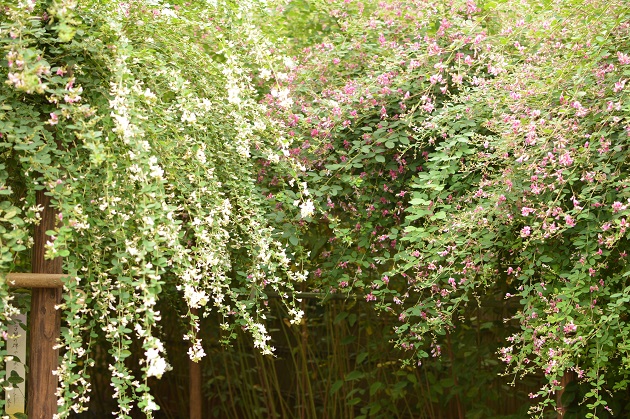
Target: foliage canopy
(435, 157)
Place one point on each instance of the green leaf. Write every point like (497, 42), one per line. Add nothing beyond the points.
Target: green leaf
(354, 375)
(375, 387)
(352, 319)
(339, 317)
(336, 386)
(15, 378)
(361, 357)
(348, 340)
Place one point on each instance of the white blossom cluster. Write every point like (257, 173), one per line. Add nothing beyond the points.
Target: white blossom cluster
(158, 186)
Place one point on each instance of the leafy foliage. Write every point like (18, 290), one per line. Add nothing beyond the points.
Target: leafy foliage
(463, 150)
(148, 157)
(438, 158)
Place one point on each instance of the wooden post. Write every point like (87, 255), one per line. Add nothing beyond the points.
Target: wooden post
(45, 322)
(194, 385)
(566, 379)
(195, 389)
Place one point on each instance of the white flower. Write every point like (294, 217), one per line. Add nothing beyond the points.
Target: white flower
(288, 62)
(201, 156)
(297, 316)
(196, 352)
(156, 170)
(233, 95)
(195, 298)
(150, 404)
(148, 94)
(168, 12)
(307, 209)
(189, 117)
(157, 365)
(131, 249)
(265, 74)
(283, 97)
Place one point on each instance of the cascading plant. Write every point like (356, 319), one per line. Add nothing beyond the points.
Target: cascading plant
(140, 121)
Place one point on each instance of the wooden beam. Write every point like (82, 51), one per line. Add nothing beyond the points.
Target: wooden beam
(31, 280)
(44, 322)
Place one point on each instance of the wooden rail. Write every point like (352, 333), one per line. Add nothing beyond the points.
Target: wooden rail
(34, 280)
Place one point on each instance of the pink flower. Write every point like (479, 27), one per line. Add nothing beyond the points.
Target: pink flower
(618, 206)
(580, 110)
(526, 231)
(536, 189)
(471, 7)
(623, 58)
(569, 327)
(566, 159)
(436, 78)
(619, 86)
(550, 366)
(54, 119)
(383, 112)
(526, 211)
